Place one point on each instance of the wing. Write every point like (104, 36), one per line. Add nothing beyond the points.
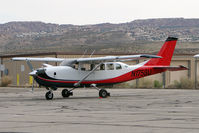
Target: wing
(46, 59)
(70, 61)
(115, 58)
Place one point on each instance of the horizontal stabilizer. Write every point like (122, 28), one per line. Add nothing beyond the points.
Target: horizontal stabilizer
(171, 68)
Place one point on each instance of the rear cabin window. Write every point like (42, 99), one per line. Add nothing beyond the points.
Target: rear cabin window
(118, 66)
(110, 66)
(102, 67)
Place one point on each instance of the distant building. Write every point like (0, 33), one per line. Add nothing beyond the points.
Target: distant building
(18, 70)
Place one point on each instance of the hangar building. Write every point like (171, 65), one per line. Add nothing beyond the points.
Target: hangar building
(18, 70)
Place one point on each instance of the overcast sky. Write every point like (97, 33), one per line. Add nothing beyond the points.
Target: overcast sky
(95, 11)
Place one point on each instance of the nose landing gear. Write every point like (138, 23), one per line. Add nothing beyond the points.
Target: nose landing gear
(49, 95)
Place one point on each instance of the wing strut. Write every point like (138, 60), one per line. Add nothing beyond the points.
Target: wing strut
(29, 65)
(79, 82)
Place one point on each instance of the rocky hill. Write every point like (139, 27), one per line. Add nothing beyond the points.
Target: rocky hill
(139, 36)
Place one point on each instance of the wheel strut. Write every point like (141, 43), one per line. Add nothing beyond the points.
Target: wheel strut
(102, 92)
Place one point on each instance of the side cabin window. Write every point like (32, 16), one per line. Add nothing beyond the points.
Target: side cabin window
(102, 67)
(118, 66)
(85, 67)
(110, 66)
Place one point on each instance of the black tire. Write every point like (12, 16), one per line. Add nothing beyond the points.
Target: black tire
(103, 93)
(65, 93)
(49, 95)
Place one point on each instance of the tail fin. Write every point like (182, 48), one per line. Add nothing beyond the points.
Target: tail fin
(166, 52)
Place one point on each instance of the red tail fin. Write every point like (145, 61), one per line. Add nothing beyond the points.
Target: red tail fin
(166, 52)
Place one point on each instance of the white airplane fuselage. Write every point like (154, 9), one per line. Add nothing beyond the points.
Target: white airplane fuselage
(66, 76)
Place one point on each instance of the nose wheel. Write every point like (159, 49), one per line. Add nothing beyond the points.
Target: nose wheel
(49, 95)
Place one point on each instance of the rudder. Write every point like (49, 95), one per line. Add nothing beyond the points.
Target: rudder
(166, 52)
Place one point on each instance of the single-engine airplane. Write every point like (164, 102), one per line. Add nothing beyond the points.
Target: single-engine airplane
(99, 71)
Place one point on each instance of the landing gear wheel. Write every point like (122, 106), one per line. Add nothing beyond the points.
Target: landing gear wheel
(65, 93)
(103, 93)
(49, 95)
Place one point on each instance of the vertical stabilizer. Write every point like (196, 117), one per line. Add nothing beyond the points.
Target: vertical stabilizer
(166, 52)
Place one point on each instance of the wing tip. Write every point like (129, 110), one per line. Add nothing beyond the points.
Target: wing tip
(151, 56)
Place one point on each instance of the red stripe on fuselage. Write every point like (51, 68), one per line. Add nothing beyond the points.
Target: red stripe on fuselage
(135, 74)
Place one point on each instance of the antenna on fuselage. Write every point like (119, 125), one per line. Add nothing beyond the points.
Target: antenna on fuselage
(85, 51)
(92, 53)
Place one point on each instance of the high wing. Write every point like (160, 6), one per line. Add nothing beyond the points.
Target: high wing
(68, 61)
(46, 59)
(115, 58)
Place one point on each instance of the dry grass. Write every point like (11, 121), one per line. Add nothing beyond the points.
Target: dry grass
(123, 85)
(5, 81)
(145, 83)
(184, 83)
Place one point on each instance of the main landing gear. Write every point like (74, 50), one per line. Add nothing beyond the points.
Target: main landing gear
(102, 92)
(66, 93)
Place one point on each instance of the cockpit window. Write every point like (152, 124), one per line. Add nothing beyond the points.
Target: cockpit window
(118, 66)
(110, 66)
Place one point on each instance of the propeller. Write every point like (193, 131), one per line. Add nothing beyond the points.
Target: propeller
(33, 85)
(33, 73)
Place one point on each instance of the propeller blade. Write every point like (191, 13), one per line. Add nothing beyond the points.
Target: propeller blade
(33, 85)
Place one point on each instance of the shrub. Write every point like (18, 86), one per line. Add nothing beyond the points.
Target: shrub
(144, 83)
(184, 83)
(5, 81)
(122, 85)
(157, 84)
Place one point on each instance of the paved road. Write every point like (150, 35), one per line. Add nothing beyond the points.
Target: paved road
(127, 111)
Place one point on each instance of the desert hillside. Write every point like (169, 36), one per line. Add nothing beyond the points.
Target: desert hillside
(139, 36)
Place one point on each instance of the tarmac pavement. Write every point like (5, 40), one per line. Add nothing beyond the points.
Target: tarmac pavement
(126, 111)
